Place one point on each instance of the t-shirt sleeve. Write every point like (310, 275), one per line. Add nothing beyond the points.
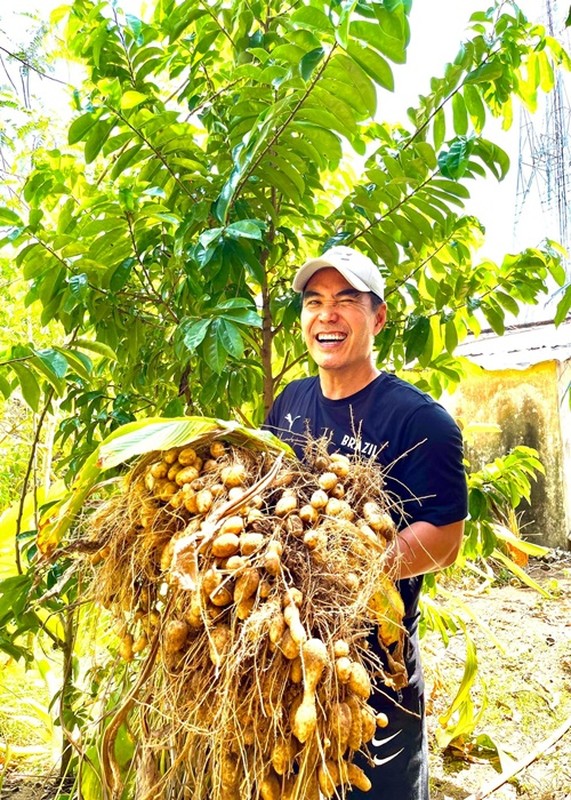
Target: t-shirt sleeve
(429, 474)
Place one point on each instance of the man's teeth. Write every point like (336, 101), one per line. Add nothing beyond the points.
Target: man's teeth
(330, 337)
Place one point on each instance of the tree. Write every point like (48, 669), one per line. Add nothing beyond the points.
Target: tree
(215, 145)
(215, 154)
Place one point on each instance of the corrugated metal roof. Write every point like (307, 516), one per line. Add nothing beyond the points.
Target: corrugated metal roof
(521, 346)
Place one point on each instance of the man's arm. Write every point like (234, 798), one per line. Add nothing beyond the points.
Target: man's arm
(423, 547)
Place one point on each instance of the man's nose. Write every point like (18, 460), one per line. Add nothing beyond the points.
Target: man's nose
(328, 311)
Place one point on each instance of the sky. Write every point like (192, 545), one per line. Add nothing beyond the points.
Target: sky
(437, 27)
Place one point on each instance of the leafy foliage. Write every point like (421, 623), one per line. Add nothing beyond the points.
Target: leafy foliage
(210, 153)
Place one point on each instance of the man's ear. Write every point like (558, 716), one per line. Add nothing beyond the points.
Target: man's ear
(380, 318)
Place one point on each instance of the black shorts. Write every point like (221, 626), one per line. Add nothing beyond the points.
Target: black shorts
(404, 777)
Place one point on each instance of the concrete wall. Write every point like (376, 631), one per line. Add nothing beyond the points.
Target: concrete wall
(565, 418)
(529, 408)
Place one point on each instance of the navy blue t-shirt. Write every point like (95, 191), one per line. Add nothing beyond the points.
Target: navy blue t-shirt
(410, 435)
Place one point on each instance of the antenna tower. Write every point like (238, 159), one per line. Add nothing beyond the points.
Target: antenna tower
(544, 163)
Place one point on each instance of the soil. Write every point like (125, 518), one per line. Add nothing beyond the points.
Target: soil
(527, 688)
(524, 688)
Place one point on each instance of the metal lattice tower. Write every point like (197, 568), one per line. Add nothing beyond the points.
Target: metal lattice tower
(544, 164)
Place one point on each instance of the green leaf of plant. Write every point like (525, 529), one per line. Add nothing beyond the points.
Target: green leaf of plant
(439, 129)
(230, 338)
(454, 162)
(530, 548)
(508, 302)
(128, 158)
(14, 592)
(131, 99)
(345, 80)
(281, 181)
(451, 336)
(342, 30)
(459, 114)
(183, 16)
(210, 236)
(310, 61)
(54, 360)
(485, 73)
(243, 155)
(30, 387)
(79, 286)
(9, 217)
(520, 573)
(415, 337)
(245, 229)
(99, 134)
(477, 503)
(5, 387)
(495, 319)
(100, 348)
(373, 64)
(379, 36)
(237, 309)
(563, 307)
(79, 127)
(312, 19)
(459, 716)
(121, 274)
(214, 351)
(194, 333)
(475, 107)
(77, 362)
(496, 159)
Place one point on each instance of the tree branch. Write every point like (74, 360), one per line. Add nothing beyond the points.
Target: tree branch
(208, 8)
(141, 263)
(157, 152)
(283, 126)
(28, 472)
(34, 69)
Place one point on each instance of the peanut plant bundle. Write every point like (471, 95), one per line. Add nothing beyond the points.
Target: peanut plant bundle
(246, 585)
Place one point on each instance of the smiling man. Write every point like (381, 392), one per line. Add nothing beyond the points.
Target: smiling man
(364, 411)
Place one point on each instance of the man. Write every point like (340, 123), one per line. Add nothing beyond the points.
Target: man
(363, 410)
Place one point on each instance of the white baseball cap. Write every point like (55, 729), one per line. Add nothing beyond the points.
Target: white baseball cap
(356, 268)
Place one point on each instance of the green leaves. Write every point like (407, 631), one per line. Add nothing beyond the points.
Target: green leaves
(563, 306)
(416, 337)
(485, 73)
(221, 335)
(310, 61)
(213, 161)
(245, 229)
(9, 217)
(39, 372)
(494, 492)
(80, 127)
(453, 163)
(133, 99)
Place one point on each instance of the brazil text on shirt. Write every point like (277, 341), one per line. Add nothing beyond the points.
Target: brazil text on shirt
(357, 445)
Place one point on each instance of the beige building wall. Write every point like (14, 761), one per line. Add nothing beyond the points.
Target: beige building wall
(530, 409)
(565, 412)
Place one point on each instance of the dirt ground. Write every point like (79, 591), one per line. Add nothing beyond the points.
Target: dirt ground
(527, 687)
